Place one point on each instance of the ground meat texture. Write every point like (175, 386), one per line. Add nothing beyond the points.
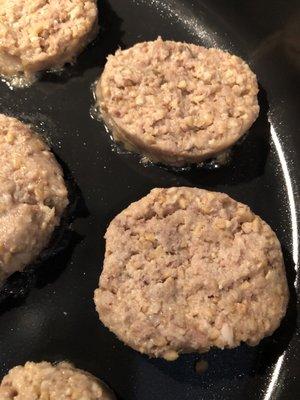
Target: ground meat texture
(186, 269)
(37, 35)
(44, 381)
(33, 195)
(177, 103)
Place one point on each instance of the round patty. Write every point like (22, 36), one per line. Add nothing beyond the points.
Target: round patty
(37, 35)
(44, 381)
(186, 269)
(177, 103)
(33, 195)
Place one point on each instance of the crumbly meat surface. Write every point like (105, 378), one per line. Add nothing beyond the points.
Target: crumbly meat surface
(37, 35)
(186, 269)
(44, 381)
(33, 195)
(177, 103)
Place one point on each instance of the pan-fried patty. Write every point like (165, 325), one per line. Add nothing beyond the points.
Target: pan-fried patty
(37, 35)
(186, 269)
(41, 381)
(33, 195)
(177, 103)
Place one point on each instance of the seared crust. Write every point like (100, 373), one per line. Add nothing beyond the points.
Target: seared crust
(187, 269)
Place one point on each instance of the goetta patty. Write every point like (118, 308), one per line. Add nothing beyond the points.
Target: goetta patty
(33, 195)
(37, 35)
(186, 269)
(41, 381)
(177, 103)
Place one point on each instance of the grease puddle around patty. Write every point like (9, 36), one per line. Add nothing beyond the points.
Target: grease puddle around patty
(222, 160)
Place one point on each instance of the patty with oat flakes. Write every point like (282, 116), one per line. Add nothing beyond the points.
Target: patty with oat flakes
(38, 35)
(33, 195)
(45, 381)
(177, 103)
(186, 269)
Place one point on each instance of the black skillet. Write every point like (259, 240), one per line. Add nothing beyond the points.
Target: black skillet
(53, 316)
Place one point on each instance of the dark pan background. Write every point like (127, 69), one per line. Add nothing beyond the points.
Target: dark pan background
(53, 316)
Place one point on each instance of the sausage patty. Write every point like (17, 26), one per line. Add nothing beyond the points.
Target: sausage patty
(38, 35)
(33, 195)
(177, 103)
(41, 381)
(186, 269)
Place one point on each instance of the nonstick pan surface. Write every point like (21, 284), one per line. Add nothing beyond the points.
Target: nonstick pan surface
(48, 313)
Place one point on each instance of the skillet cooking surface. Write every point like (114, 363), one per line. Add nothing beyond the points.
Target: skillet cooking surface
(56, 318)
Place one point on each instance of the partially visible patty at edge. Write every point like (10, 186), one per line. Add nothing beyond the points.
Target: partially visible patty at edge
(33, 195)
(37, 35)
(62, 381)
